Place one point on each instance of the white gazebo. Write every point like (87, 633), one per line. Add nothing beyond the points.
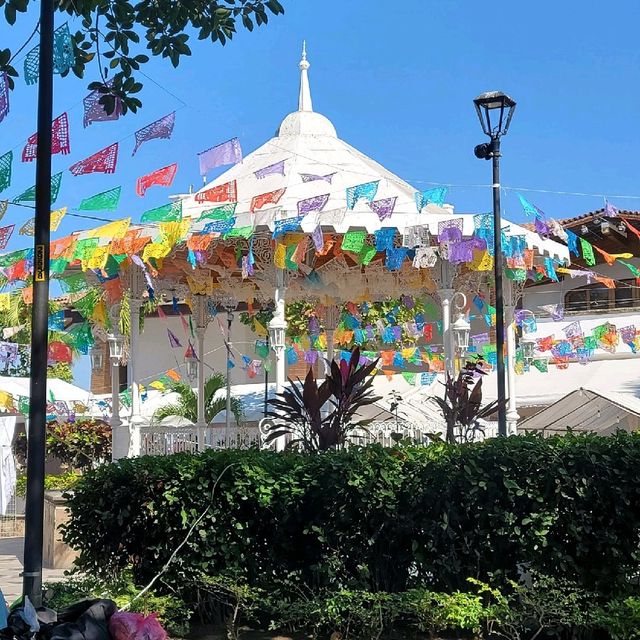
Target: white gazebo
(303, 190)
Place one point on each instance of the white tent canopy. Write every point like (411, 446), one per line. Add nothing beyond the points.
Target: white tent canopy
(586, 410)
(56, 388)
(541, 389)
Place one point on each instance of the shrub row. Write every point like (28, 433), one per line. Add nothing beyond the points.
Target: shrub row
(374, 519)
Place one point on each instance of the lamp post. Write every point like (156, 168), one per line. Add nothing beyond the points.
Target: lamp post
(495, 110)
(34, 507)
(116, 349)
(527, 344)
(192, 366)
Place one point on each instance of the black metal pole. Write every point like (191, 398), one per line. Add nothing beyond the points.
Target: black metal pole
(497, 271)
(34, 515)
(266, 381)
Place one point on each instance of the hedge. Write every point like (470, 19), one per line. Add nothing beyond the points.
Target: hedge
(371, 518)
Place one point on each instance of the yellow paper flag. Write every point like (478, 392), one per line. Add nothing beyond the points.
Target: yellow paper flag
(173, 232)
(5, 301)
(259, 328)
(280, 255)
(97, 259)
(56, 218)
(6, 401)
(115, 229)
(155, 250)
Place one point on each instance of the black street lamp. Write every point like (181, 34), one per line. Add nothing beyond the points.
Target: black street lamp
(495, 110)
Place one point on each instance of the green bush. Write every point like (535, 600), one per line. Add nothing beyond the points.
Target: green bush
(372, 519)
(52, 482)
(172, 612)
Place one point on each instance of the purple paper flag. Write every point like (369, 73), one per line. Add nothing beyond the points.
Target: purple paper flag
(162, 128)
(318, 238)
(312, 177)
(95, 112)
(173, 340)
(609, 210)
(277, 167)
(384, 208)
(228, 152)
(556, 311)
(4, 95)
(316, 203)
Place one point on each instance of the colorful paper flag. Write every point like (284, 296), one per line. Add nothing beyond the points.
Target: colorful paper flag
(4, 95)
(171, 212)
(223, 212)
(315, 203)
(103, 161)
(271, 197)
(30, 194)
(104, 201)
(226, 192)
(430, 196)
(272, 169)
(587, 252)
(28, 228)
(162, 128)
(311, 177)
(59, 140)
(366, 191)
(56, 218)
(6, 160)
(161, 177)
(383, 208)
(5, 235)
(95, 112)
(228, 152)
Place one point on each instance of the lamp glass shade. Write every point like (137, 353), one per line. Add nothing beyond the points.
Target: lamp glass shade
(461, 330)
(528, 346)
(192, 367)
(96, 355)
(495, 110)
(116, 347)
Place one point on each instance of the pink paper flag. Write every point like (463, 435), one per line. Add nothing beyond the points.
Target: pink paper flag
(161, 177)
(5, 234)
(59, 140)
(104, 161)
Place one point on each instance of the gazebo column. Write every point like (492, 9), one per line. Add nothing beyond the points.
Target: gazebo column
(330, 325)
(277, 332)
(135, 305)
(444, 273)
(200, 313)
(511, 295)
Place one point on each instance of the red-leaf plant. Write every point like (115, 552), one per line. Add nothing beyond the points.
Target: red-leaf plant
(298, 410)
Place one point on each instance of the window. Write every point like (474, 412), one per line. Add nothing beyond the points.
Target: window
(597, 297)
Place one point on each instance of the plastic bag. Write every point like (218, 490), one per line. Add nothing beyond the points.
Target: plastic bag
(124, 625)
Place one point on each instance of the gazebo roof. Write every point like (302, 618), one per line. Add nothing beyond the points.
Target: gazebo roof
(308, 145)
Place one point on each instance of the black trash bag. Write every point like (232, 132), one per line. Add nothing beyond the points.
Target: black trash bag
(24, 621)
(86, 620)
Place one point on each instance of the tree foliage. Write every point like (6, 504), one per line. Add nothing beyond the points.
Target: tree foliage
(186, 405)
(116, 36)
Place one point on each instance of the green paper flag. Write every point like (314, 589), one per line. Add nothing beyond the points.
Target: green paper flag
(9, 259)
(30, 194)
(353, 241)
(240, 232)
(224, 212)
(517, 275)
(125, 398)
(587, 252)
(409, 377)
(288, 263)
(590, 343)
(541, 365)
(366, 255)
(84, 248)
(104, 201)
(74, 283)
(632, 268)
(5, 170)
(85, 305)
(57, 266)
(171, 212)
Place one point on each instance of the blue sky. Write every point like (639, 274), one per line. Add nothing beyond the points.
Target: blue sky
(397, 80)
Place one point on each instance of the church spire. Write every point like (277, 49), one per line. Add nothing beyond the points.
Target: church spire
(304, 98)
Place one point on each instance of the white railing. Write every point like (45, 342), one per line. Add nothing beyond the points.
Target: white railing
(162, 440)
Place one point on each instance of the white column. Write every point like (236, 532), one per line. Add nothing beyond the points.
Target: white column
(512, 412)
(119, 432)
(279, 320)
(331, 322)
(136, 413)
(199, 313)
(446, 295)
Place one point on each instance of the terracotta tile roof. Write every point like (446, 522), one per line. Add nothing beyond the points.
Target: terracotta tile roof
(588, 217)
